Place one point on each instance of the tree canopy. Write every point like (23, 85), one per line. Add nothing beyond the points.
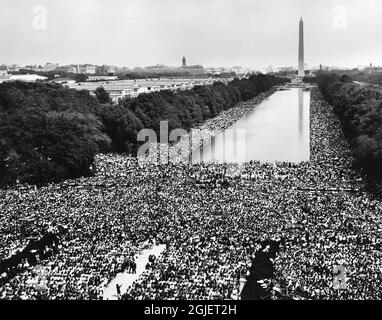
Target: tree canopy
(360, 111)
(49, 132)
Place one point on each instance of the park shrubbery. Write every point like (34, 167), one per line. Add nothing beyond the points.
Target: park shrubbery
(49, 132)
(360, 111)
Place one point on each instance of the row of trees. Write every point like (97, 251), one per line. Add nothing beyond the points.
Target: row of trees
(369, 75)
(360, 110)
(49, 132)
(183, 109)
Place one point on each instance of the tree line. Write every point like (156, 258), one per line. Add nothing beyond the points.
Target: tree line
(360, 111)
(49, 132)
(369, 75)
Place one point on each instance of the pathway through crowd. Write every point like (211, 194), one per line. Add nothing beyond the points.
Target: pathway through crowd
(126, 279)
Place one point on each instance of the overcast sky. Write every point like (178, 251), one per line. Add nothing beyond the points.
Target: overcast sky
(251, 33)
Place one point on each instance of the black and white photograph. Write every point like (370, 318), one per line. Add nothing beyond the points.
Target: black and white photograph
(190, 150)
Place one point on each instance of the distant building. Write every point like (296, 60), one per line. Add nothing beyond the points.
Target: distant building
(34, 68)
(66, 81)
(372, 69)
(72, 69)
(219, 70)
(67, 69)
(50, 66)
(4, 76)
(102, 78)
(105, 70)
(86, 69)
(108, 70)
(27, 77)
(132, 88)
(13, 68)
(238, 69)
(184, 63)
(269, 69)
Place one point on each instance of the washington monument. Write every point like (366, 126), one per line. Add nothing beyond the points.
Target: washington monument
(301, 49)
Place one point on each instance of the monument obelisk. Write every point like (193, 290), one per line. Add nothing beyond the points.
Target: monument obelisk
(301, 49)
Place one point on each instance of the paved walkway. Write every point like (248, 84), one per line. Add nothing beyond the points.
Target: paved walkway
(126, 279)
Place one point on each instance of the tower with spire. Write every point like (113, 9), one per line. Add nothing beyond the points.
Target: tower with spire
(301, 49)
(184, 61)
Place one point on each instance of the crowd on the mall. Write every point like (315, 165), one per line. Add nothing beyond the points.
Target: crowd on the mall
(319, 211)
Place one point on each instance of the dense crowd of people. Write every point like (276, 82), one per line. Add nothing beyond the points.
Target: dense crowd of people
(212, 224)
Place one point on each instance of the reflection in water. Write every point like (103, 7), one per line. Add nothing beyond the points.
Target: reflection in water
(301, 112)
(276, 130)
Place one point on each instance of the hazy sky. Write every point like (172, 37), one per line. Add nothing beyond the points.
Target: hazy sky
(252, 33)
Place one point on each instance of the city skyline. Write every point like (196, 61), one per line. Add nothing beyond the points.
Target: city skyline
(229, 33)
